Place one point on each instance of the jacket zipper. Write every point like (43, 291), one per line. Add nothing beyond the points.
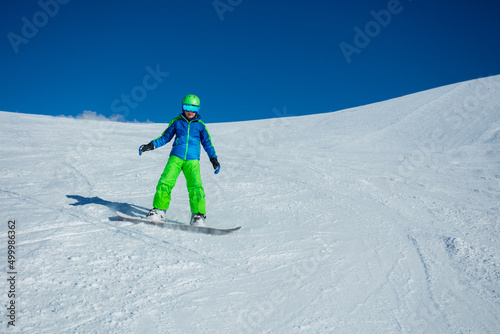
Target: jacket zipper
(187, 142)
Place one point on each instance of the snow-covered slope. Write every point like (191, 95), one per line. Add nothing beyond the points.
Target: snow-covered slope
(376, 219)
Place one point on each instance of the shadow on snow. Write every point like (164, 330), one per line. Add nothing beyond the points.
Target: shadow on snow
(126, 208)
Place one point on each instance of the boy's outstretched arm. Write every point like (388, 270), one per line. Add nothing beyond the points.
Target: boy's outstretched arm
(165, 137)
(146, 147)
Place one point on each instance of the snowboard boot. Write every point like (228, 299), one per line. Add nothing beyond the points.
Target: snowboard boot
(198, 219)
(157, 214)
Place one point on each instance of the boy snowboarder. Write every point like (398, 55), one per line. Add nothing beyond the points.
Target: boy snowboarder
(189, 131)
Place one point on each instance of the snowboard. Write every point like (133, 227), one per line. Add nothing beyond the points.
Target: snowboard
(179, 226)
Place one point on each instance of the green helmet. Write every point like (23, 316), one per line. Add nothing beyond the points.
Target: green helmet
(191, 99)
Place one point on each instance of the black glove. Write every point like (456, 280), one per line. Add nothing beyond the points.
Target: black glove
(216, 165)
(146, 147)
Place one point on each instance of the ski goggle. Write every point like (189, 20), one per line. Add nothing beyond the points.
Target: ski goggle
(190, 107)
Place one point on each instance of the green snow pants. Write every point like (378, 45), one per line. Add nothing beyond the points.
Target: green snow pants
(191, 170)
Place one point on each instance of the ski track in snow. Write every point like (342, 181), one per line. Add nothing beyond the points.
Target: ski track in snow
(376, 219)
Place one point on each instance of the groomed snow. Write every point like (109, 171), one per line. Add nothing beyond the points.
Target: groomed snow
(377, 219)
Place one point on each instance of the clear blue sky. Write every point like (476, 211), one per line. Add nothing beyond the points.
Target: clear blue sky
(243, 58)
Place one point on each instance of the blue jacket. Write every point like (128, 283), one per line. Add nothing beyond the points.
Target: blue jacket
(188, 135)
